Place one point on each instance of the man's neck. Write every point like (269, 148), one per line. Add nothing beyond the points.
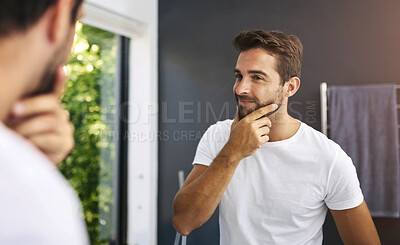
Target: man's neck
(19, 71)
(7, 98)
(283, 127)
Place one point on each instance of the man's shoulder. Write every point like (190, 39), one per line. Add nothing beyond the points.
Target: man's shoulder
(316, 135)
(36, 197)
(319, 141)
(220, 126)
(17, 152)
(26, 169)
(218, 132)
(223, 124)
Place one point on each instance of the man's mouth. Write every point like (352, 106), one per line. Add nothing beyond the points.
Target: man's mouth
(246, 102)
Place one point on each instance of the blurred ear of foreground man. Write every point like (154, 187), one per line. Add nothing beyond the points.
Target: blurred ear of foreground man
(273, 177)
(38, 206)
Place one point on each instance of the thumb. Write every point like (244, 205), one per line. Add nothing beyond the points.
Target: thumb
(236, 120)
(59, 84)
(236, 115)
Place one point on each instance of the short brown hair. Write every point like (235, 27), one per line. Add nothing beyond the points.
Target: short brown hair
(19, 15)
(287, 49)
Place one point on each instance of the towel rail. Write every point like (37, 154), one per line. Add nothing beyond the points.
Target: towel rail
(324, 108)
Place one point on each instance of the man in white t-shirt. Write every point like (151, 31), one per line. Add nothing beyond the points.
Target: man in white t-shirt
(273, 177)
(38, 205)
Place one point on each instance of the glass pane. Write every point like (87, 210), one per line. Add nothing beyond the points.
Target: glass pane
(90, 99)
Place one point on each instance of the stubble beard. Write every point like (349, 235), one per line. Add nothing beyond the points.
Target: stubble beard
(243, 111)
(48, 78)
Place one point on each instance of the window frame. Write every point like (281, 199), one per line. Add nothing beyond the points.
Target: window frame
(137, 167)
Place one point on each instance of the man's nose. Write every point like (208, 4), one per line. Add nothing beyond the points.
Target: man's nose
(243, 87)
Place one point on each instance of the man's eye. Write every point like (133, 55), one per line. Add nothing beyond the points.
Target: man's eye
(238, 76)
(257, 78)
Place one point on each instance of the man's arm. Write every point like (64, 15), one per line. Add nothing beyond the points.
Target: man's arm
(198, 198)
(355, 226)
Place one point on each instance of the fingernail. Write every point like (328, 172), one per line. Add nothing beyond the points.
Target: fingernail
(274, 106)
(19, 108)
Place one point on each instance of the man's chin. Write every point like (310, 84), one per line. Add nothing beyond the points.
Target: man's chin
(244, 111)
(272, 112)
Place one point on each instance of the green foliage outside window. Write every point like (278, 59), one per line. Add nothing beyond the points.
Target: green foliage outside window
(90, 99)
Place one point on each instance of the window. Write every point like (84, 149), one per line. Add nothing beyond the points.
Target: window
(135, 26)
(91, 97)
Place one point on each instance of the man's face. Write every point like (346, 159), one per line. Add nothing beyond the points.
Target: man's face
(60, 56)
(257, 82)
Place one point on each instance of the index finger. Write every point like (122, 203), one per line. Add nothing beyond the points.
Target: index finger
(35, 105)
(257, 114)
(236, 115)
(236, 120)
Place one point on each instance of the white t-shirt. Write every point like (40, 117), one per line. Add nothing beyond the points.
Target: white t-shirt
(38, 206)
(280, 194)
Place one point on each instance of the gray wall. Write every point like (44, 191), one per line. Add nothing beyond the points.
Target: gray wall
(345, 42)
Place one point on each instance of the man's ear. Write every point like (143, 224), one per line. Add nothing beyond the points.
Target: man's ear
(59, 20)
(292, 86)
